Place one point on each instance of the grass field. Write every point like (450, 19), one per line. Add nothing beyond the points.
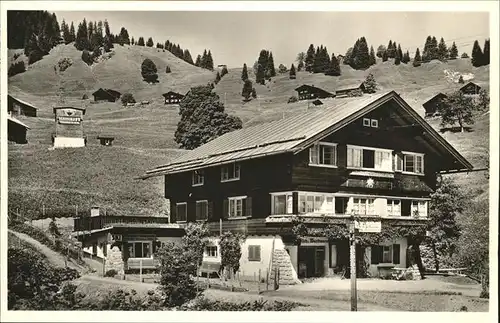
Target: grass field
(105, 176)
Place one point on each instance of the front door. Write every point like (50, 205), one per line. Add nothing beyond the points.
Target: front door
(311, 261)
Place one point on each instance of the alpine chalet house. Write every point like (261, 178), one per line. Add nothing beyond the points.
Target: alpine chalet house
(172, 97)
(431, 106)
(306, 92)
(371, 158)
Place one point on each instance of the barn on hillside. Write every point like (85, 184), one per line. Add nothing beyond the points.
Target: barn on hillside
(172, 97)
(306, 92)
(470, 88)
(346, 90)
(106, 95)
(16, 130)
(19, 107)
(431, 106)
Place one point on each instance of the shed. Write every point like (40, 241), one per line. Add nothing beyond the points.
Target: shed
(317, 102)
(470, 88)
(16, 130)
(106, 95)
(19, 107)
(172, 97)
(306, 92)
(106, 140)
(345, 90)
(431, 106)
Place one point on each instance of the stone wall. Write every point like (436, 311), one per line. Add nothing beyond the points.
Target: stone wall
(287, 273)
(114, 261)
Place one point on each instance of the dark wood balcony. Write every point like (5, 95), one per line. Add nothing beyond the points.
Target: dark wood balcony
(91, 223)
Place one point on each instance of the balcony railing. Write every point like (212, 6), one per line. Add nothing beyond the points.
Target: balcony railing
(101, 222)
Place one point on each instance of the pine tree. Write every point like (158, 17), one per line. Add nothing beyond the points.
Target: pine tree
(406, 57)
(132, 41)
(293, 74)
(334, 68)
(262, 63)
(361, 54)
(486, 52)
(203, 61)
(82, 41)
(246, 92)
(140, 42)
(380, 51)
(370, 84)
(397, 58)
(198, 61)
(210, 61)
(442, 50)
(244, 73)
(400, 52)
(426, 53)
(168, 70)
(150, 42)
(300, 60)
(477, 55)
(385, 56)
(309, 60)
(217, 78)
(187, 57)
(453, 51)
(373, 59)
(417, 61)
(271, 71)
(434, 52)
(72, 34)
(391, 50)
(461, 79)
(260, 75)
(108, 41)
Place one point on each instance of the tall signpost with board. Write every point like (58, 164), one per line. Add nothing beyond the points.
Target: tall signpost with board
(69, 127)
(363, 226)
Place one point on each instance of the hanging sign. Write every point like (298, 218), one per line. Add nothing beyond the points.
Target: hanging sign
(368, 226)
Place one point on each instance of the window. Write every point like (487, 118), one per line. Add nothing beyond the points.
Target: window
(202, 210)
(387, 254)
(370, 122)
(372, 158)
(181, 211)
(394, 207)
(254, 253)
(409, 162)
(210, 251)
(341, 205)
(230, 172)
(235, 207)
(366, 122)
(374, 123)
(419, 208)
(324, 154)
(140, 249)
(282, 203)
(198, 177)
(316, 203)
(363, 206)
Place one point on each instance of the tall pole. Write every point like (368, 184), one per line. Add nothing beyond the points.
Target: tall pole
(354, 296)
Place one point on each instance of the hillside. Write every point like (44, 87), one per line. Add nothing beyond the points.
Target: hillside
(104, 176)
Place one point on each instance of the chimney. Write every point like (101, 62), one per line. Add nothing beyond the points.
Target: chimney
(94, 211)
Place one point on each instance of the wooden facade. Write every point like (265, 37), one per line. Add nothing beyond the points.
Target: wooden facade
(106, 95)
(432, 105)
(306, 92)
(19, 107)
(173, 97)
(470, 88)
(351, 90)
(16, 131)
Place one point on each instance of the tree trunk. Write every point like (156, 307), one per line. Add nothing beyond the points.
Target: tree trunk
(418, 259)
(436, 260)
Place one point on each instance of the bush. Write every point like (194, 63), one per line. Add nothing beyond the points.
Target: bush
(230, 251)
(149, 71)
(110, 273)
(127, 98)
(17, 68)
(465, 55)
(34, 233)
(168, 70)
(293, 99)
(64, 63)
(85, 97)
(16, 56)
(205, 304)
(87, 57)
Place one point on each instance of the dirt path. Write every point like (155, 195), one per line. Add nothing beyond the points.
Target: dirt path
(53, 257)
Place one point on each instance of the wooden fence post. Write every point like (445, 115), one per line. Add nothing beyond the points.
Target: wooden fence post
(140, 270)
(267, 279)
(258, 283)
(255, 279)
(208, 280)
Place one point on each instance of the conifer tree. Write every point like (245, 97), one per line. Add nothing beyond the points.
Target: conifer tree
(334, 68)
(426, 55)
(244, 73)
(210, 61)
(309, 60)
(150, 42)
(72, 33)
(406, 57)
(391, 49)
(198, 61)
(260, 75)
(434, 53)
(246, 92)
(140, 42)
(373, 59)
(486, 52)
(149, 71)
(477, 55)
(293, 74)
(380, 51)
(361, 54)
(300, 60)
(417, 61)
(397, 58)
(203, 61)
(187, 57)
(108, 41)
(82, 41)
(132, 41)
(453, 51)
(400, 52)
(385, 56)
(217, 78)
(442, 50)
(370, 84)
(271, 71)
(65, 32)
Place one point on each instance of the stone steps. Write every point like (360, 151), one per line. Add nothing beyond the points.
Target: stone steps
(283, 263)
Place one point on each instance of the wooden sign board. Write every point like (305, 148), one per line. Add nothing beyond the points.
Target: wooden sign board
(368, 226)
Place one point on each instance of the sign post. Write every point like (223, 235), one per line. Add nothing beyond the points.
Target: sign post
(358, 225)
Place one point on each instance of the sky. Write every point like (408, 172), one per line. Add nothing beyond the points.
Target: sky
(237, 37)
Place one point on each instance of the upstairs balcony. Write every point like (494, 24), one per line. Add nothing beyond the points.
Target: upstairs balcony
(97, 222)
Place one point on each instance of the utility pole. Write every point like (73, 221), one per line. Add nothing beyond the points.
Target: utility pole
(354, 292)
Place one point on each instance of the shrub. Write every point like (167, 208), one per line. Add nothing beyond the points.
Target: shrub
(230, 251)
(168, 70)
(64, 63)
(149, 71)
(292, 99)
(195, 240)
(127, 98)
(87, 57)
(16, 56)
(33, 232)
(85, 97)
(465, 55)
(17, 68)
(110, 273)
(205, 304)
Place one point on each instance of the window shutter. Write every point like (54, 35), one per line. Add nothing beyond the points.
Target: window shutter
(375, 255)
(210, 211)
(198, 211)
(395, 254)
(247, 203)
(173, 213)
(250, 253)
(225, 209)
(257, 253)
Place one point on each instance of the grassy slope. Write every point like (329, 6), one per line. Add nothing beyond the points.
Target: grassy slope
(144, 134)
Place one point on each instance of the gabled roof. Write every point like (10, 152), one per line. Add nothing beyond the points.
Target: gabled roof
(22, 102)
(440, 95)
(317, 102)
(107, 92)
(350, 86)
(12, 119)
(469, 84)
(58, 108)
(174, 93)
(312, 87)
(291, 135)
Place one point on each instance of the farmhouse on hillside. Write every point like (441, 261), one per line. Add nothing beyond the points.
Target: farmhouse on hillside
(106, 95)
(353, 89)
(19, 107)
(172, 97)
(431, 106)
(470, 88)
(293, 186)
(69, 127)
(306, 92)
(16, 130)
